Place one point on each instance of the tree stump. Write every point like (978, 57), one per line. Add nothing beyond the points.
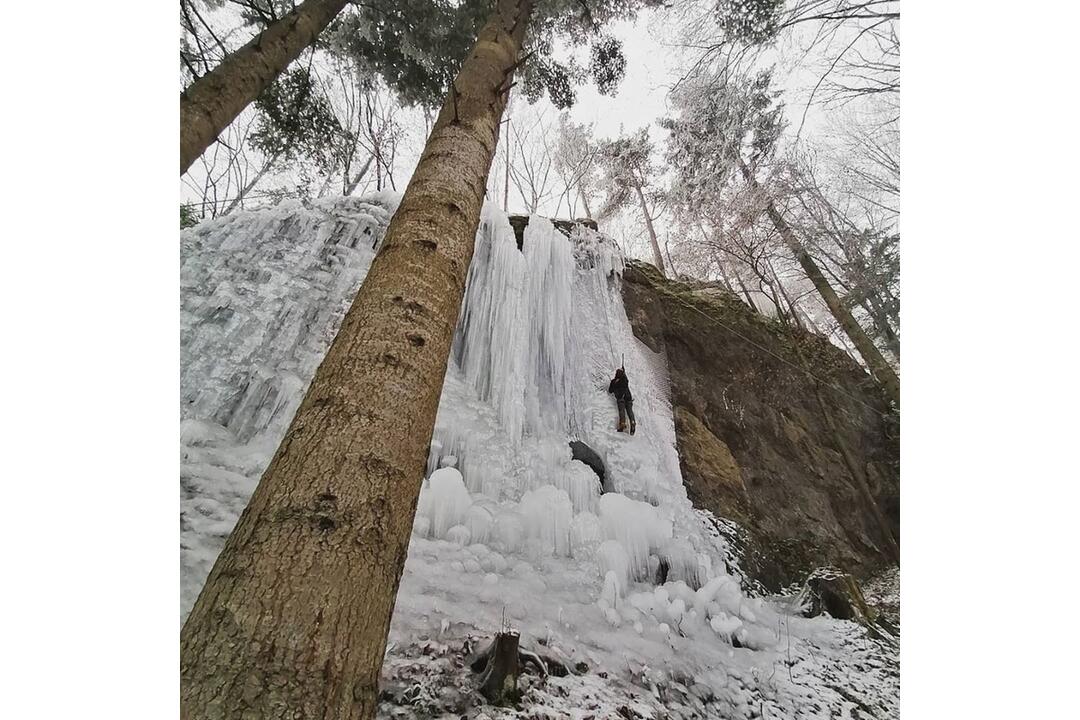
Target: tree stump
(499, 668)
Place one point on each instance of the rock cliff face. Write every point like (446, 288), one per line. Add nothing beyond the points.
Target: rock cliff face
(777, 430)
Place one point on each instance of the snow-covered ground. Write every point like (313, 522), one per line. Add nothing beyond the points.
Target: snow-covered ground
(510, 530)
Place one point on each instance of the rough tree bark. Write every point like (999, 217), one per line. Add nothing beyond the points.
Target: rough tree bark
(214, 100)
(879, 368)
(657, 257)
(292, 621)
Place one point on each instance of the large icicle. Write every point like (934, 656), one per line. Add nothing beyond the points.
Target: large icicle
(489, 345)
(512, 338)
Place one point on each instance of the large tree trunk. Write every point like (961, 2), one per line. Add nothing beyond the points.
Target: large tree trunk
(879, 368)
(657, 257)
(214, 100)
(292, 621)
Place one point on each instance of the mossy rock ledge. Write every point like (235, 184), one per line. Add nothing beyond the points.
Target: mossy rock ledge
(752, 402)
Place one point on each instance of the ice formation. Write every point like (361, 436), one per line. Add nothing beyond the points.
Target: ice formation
(509, 527)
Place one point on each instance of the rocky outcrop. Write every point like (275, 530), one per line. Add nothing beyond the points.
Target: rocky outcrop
(520, 222)
(777, 430)
(583, 453)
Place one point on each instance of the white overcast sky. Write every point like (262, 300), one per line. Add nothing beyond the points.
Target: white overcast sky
(650, 72)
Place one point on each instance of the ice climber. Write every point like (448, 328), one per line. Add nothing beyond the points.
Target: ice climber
(620, 387)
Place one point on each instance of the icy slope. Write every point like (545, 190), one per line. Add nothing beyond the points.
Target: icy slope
(509, 528)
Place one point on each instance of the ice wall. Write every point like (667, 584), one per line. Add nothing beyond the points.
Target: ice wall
(540, 335)
(541, 332)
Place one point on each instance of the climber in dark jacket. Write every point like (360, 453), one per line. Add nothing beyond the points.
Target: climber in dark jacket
(620, 388)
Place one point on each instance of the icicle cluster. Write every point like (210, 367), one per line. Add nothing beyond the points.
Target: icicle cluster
(512, 339)
(532, 352)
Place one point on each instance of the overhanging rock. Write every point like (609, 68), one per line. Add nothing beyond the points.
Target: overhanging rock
(518, 222)
(587, 455)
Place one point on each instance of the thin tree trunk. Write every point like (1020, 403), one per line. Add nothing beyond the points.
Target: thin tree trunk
(890, 299)
(842, 341)
(252, 183)
(667, 252)
(746, 292)
(881, 322)
(213, 101)
(359, 176)
(585, 202)
(783, 294)
(506, 170)
(715, 257)
(879, 368)
(657, 257)
(293, 618)
(723, 272)
(764, 282)
(327, 182)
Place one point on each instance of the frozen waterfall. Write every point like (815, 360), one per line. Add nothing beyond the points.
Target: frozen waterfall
(509, 526)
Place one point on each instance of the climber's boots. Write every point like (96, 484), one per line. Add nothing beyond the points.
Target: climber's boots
(633, 426)
(621, 427)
